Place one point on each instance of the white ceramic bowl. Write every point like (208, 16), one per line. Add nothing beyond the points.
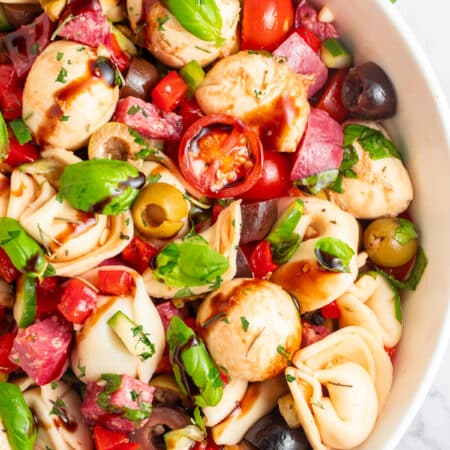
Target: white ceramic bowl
(374, 30)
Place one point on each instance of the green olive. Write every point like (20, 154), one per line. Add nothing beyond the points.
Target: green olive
(160, 211)
(382, 246)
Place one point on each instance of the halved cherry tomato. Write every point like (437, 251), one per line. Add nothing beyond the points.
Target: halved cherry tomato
(261, 260)
(266, 23)
(189, 112)
(310, 38)
(221, 156)
(20, 153)
(77, 302)
(115, 282)
(138, 254)
(331, 311)
(8, 272)
(6, 343)
(331, 100)
(274, 181)
(108, 440)
(48, 293)
(169, 92)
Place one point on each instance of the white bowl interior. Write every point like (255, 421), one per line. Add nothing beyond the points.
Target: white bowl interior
(374, 31)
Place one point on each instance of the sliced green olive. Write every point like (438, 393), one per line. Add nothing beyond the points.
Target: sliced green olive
(114, 141)
(385, 246)
(160, 211)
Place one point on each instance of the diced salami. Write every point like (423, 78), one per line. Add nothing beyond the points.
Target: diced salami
(42, 349)
(302, 59)
(321, 147)
(25, 44)
(167, 311)
(306, 16)
(148, 120)
(313, 333)
(131, 396)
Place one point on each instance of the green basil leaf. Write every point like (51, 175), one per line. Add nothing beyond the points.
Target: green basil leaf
(405, 232)
(16, 417)
(283, 251)
(113, 383)
(101, 185)
(191, 262)
(337, 185)
(190, 359)
(319, 181)
(420, 264)
(333, 254)
(24, 252)
(349, 159)
(4, 139)
(201, 18)
(372, 141)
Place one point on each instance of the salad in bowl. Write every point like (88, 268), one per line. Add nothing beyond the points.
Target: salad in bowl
(205, 228)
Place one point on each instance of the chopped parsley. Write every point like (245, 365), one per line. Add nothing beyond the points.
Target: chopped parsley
(245, 323)
(161, 21)
(59, 56)
(62, 76)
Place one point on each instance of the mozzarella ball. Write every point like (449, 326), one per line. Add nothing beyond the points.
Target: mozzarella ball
(251, 328)
(67, 96)
(173, 45)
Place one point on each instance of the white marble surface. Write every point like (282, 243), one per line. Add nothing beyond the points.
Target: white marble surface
(428, 20)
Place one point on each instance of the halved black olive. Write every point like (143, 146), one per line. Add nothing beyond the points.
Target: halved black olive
(104, 68)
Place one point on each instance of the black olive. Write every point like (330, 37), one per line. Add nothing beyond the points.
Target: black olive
(104, 68)
(315, 317)
(368, 93)
(272, 433)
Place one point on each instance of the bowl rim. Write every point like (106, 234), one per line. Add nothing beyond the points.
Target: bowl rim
(392, 14)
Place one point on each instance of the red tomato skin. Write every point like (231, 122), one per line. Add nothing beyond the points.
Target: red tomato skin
(391, 351)
(189, 111)
(48, 293)
(209, 444)
(331, 311)
(254, 144)
(310, 38)
(169, 92)
(331, 100)
(120, 58)
(6, 343)
(138, 254)
(8, 272)
(274, 181)
(261, 261)
(108, 440)
(20, 154)
(115, 282)
(77, 302)
(128, 446)
(11, 93)
(265, 24)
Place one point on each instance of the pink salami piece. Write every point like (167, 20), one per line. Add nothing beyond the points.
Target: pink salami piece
(321, 147)
(148, 120)
(132, 399)
(42, 349)
(313, 333)
(306, 16)
(167, 311)
(302, 59)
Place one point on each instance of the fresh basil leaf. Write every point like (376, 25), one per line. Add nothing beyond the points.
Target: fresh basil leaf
(24, 252)
(420, 264)
(191, 262)
(190, 359)
(349, 159)
(200, 18)
(337, 185)
(282, 251)
(405, 232)
(101, 185)
(319, 181)
(372, 141)
(333, 254)
(4, 139)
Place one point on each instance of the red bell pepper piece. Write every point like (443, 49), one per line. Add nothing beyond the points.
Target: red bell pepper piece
(169, 92)
(209, 444)
(20, 153)
(310, 38)
(48, 293)
(10, 93)
(128, 446)
(77, 302)
(6, 343)
(8, 272)
(115, 282)
(108, 440)
(331, 100)
(391, 351)
(331, 311)
(138, 254)
(261, 261)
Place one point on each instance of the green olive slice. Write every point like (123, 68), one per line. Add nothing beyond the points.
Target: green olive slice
(159, 211)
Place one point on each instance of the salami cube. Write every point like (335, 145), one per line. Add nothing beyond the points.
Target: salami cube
(306, 16)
